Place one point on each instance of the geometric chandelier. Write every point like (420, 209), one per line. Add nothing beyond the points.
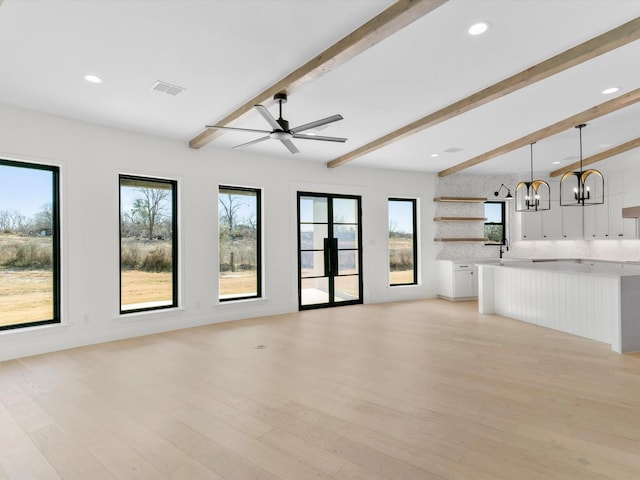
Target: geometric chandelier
(534, 195)
(581, 188)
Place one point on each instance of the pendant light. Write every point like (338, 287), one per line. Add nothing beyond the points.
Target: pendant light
(534, 195)
(581, 188)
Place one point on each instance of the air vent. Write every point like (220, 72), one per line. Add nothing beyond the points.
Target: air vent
(164, 87)
(453, 150)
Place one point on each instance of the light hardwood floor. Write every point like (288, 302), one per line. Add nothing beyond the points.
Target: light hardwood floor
(412, 390)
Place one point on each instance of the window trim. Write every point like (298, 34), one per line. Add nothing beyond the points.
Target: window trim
(258, 194)
(414, 202)
(56, 250)
(503, 223)
(174, 243)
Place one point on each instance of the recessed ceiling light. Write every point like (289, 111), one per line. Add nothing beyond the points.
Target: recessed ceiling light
(478, 28)
(557, 162)
(609, 91)
(92, 79)
(433, 155)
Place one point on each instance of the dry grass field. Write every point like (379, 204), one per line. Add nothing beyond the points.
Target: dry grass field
(404, 276)
(401, 259)
(238, 283)
(25, 296)
(144, 287)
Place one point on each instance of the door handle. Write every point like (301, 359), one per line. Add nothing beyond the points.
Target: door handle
(327, 257)
(334, 256)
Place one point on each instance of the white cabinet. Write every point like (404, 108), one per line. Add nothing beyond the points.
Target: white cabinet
(545, 224)
(616, 223)
(552, 222)
(572, 221)
(596, 221)
(465, 281)
(457, 280)
(531, 225)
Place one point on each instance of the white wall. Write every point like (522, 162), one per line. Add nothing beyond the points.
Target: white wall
(91, 157)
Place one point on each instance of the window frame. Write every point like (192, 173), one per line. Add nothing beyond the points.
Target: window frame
(414, 204)
(259, 269)
(503, 222)
(55, 246)
(174, 242)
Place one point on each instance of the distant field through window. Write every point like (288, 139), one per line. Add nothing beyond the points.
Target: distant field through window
(148, 244)
(239, 226)
(29, 245)
(403, 249)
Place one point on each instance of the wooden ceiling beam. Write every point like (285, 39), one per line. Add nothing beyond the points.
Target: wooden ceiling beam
(585, 116)
(619, 36)
(383, 25)
(612, 152)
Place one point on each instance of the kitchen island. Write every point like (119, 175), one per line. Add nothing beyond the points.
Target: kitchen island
(597, 300)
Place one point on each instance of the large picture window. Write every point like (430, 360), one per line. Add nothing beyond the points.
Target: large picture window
(29, 245)
(148, 244)
(239, 225)
(403, 248)
(494, 225)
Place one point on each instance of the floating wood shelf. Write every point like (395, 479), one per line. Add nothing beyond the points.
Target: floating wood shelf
(460, 199)
(459, 219)
(444, 239)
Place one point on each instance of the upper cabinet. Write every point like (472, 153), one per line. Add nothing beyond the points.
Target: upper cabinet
(595, 222)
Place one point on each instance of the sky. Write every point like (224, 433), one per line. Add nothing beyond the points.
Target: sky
(27, 190)
(24, 189)
(401, 216)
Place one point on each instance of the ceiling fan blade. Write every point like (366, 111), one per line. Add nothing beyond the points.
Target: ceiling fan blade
(252, 142)
(319, 137)
(238, 129)
(262, 110)
(317, 123)
(289, 144)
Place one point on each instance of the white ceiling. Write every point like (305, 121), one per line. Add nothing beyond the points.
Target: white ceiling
(227, 51)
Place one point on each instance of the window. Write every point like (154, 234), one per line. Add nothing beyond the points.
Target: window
(403, 245)
(494, 225)
(29, 245)
(239, 225)
(148, 244)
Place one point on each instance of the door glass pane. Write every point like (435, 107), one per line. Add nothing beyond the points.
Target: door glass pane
(345, 210)
(312, 236)
(347, 288)
(311, 264)
(347, 235)
(347, 262)
(314, 291)
(313, 210)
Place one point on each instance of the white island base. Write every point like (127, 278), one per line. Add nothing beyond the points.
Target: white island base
(596, 301)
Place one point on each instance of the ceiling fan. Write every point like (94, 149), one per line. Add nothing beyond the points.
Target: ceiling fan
(281, 130)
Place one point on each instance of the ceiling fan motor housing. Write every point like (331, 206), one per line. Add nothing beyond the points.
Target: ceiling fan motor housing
(280, 97)
(283, 123)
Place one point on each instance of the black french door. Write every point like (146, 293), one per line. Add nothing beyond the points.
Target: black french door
(329, 250)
